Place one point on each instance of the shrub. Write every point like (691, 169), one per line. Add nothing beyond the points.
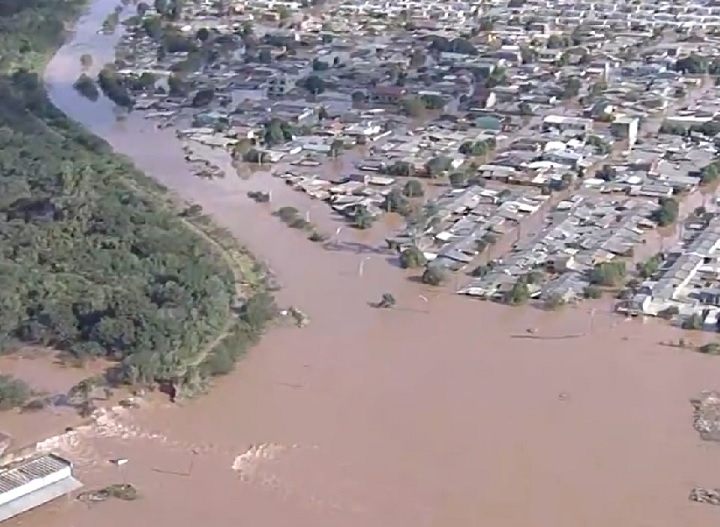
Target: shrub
(287, 214)
(411, 258)
(413, 189)
(433, 275)
(14, 392)
(592, 292)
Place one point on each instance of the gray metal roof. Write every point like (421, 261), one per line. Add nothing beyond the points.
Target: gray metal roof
(24, 473)
(39, 497)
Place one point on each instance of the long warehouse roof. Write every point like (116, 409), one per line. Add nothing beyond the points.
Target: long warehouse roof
(24, 473)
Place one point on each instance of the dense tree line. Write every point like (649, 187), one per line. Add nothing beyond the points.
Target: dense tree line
(89, 266)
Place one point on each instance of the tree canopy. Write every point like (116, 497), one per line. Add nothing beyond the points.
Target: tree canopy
(90, 262)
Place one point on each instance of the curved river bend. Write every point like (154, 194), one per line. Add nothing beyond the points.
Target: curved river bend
(430, 415)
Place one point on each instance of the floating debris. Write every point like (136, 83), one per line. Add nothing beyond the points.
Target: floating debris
(386, 302)
(706, 415)
(709, 496)
(300, 318)
(120, 491)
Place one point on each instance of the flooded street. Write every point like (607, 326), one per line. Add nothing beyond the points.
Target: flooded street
(440, 413)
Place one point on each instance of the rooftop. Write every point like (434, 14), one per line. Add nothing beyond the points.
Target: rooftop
(40, 467)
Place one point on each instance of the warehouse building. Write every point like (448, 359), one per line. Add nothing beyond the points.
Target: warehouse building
(34, 482)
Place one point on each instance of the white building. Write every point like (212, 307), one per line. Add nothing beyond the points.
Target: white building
(34, 482)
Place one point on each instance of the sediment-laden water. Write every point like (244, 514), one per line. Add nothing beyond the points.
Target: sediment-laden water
(432, 414)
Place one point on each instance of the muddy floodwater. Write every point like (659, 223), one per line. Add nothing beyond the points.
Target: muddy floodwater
(444, 412)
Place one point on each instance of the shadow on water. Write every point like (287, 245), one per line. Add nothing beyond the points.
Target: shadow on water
(354, 247)
(394, 261)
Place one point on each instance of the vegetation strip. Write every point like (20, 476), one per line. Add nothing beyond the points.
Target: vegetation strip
(93, 261)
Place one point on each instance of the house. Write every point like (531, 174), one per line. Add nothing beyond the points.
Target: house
(387, 94)
(563, 123)
(28, 484)
(626, 127)
(280, 84)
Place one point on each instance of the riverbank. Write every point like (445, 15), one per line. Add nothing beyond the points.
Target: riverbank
(436, 406)
(79, 198)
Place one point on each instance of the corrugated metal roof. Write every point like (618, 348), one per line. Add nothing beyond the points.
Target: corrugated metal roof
(39, 497)
(28, 471)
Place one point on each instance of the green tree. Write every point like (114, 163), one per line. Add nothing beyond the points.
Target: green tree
(553, 302)
(610, 274)
(651, 266)
(314, 84)
(711, 348)
(86, 60)
(474, 148)
(276, 132)
(336, 148)
(693, 63)
(401, 169)
(710, 174)
(693, 322)
(161, 6)
(202, 34)
(592, 292)
(556, 42)
(413, 106)
(283, 13)
(395, 201)
(572, 88)
(412, 258)
(203, 97)
(319, 65)
(518, 294)
(87, 87)
(14, 392)
(432, 102)
(254, 155)
(362, 218)
(437, 165)
(113, 86)
(433, 275)
(413, 189)
(458, 180)
(667, 212)
(76, 220)
(525, 109)
(487, 24)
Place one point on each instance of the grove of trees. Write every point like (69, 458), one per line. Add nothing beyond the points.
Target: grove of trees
(89, 264)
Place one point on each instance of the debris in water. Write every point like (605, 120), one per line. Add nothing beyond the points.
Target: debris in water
(120, 491)
(300, 318)
(706, 415)
(709, 496)
(386, 302)
(248, 463)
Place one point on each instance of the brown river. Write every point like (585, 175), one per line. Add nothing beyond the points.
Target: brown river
(440, 413)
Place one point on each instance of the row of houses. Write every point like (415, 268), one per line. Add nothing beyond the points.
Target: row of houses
(689, 280)
(466, 222)
(580, 234)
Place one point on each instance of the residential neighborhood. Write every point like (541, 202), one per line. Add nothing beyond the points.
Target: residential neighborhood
(526, 143)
